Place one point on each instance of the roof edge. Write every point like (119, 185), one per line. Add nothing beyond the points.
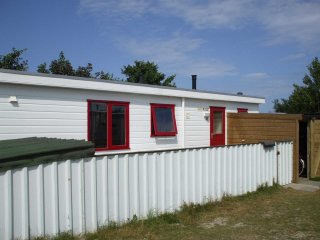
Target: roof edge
(83, 79)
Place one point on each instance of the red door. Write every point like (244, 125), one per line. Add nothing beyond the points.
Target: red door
(217, 126)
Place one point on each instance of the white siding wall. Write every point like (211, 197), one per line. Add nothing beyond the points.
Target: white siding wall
(197, 127)
(62, 113)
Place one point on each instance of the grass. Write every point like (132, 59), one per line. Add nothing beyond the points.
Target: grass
(315, 179)
(269, 213)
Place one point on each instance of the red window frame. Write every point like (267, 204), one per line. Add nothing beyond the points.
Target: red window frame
(242, 110)
(109, 105)
(153, 121)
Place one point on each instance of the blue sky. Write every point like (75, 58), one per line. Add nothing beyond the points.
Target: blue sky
(257, 47)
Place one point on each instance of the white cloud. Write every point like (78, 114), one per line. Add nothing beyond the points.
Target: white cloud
(211, 14)
(206, 68)
(293, 57)
(162, 49)
(295, 21)
(123, 9)
(177, 55)
(256, 76)
(284, 21)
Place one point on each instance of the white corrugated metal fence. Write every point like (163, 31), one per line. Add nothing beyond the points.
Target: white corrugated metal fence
(81, 195)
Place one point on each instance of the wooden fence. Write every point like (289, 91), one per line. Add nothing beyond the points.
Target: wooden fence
(254, 128)
(314, 148)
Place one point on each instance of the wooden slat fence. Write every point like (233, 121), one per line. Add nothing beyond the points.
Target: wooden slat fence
(244, 128)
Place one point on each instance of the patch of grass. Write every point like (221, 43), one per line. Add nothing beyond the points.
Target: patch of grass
(315, 179)
(61, 236)
(269, 213)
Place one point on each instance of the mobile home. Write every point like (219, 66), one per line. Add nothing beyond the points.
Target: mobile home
(117, 116)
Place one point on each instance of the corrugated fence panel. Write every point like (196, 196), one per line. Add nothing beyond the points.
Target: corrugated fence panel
(81, 195)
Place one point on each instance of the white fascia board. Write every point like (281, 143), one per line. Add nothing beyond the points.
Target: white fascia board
(61, 82)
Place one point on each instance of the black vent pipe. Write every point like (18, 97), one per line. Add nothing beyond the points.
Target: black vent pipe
(194, 82)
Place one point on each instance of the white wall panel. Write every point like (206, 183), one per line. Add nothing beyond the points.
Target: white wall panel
(197, 128)
(62, 113)
(81, 195)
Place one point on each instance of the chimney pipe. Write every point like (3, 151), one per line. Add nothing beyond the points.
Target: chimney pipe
(194, 82)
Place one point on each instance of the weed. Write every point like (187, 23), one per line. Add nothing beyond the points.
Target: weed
(169, 218)
(134, 219)
(315, 179)
(65, 236)
(60, 236)
(112, 225)
(262, 187)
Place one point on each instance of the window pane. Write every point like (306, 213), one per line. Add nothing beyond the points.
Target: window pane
(118, 125)
(98, 124)
(164, 120)
(217, 122)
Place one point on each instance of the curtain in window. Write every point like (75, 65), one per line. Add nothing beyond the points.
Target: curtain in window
(98, 124)
(164, 120)
(118, 125)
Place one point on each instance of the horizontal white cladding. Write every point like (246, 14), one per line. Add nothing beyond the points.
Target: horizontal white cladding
(197, 127)
(62, 113)
(111, 86)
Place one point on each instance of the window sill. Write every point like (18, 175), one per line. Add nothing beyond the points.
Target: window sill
(111, 149)
(164, 135)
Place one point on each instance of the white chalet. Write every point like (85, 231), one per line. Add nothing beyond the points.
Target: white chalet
(117, 116)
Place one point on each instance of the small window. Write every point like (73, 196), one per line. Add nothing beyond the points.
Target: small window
(108, 124)
(163, 121)
(218, 121)
(242, 110)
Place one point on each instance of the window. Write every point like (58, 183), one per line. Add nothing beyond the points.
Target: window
(242, 110)
(163, 121)
(218, 121)
(108, 124)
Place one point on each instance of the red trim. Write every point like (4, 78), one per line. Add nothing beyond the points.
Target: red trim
(217, 139)
(242, 110)
(126, 145)
(154, 122)
(88, 121)
(109, 124)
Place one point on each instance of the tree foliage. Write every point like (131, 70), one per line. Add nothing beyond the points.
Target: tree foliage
(60, 66)
(147, 72)
(84, 71)
(13, 60)
(140, 72)
(42, 68)
(306, 98)
(63, 66)
(106, 76)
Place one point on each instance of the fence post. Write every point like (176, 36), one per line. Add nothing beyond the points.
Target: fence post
(277, 164)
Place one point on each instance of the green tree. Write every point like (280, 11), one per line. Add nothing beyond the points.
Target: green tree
(13, 60)
(106, 76)
(63, 66)
(60, 66)
(84, 71)
(147, 72)
(42, 68)
(306, 98)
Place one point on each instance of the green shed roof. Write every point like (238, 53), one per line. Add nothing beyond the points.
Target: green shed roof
(32, 151)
